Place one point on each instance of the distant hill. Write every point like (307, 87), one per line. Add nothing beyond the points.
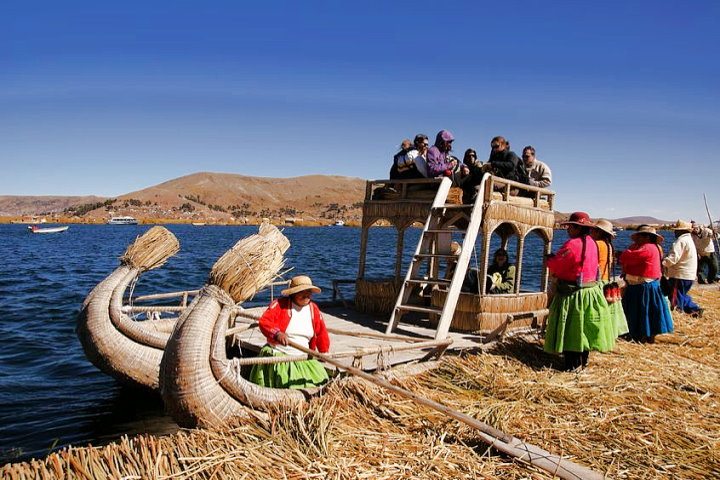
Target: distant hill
(15, 205)
(624, 221)
(639, 220)
(215, 197)
(227, 197)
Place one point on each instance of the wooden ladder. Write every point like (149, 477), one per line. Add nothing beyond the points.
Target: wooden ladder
(441, 221)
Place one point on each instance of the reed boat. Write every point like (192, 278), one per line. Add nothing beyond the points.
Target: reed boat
(119, 345)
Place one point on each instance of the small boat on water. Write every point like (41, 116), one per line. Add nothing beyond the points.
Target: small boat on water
(339, 223)
(36, 229)
(198, 224)
(122, 221)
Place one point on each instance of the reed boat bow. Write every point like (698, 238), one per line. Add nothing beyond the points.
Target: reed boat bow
(119, 346)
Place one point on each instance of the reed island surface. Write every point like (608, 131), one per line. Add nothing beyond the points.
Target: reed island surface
(641, 411)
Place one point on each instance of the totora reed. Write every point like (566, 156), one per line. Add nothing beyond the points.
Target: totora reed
(640, 412)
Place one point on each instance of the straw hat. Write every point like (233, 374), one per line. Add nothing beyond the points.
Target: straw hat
(298, 284)
(650, 230)
(605, 226)
(683, 225)
(579, 218)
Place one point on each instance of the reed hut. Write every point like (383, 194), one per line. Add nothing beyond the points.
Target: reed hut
(510, 211)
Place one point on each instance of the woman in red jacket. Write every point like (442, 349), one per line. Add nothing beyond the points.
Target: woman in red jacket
(645, 306)
(297, 318)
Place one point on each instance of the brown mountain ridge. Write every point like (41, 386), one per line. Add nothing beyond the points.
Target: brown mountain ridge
(223, 198)
(214, 197)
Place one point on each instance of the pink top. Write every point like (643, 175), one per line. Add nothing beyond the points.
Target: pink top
(642, 260)
(567, 263)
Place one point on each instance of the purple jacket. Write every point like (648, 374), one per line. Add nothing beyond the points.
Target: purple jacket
(437, 160)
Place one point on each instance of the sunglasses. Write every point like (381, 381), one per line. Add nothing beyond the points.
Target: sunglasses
(494, 145)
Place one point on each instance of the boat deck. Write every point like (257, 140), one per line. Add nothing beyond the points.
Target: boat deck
(354, 323)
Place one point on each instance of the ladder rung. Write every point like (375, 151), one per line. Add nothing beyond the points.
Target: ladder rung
(435, 255)
(418, 308)
(436, 281)
(453, 206)
(445, 230)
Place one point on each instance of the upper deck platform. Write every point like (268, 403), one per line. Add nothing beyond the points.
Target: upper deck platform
(403, 202)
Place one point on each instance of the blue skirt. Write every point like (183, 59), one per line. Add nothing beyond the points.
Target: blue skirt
(646, 310)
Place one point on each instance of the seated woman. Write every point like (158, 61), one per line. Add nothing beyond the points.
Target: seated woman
(500, 277)
(411, 161)
(297, 318)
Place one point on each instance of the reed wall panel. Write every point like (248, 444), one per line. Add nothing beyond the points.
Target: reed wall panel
(376, 296)
(475, 313)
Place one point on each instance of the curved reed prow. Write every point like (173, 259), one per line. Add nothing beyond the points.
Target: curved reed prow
(251, 263)
(151, 249)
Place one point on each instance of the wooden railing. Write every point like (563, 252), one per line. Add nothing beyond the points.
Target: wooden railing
(510, 188)
(402, 187)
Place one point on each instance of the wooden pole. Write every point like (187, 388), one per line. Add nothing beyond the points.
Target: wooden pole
(497, 439)
(714, 238)
(358, 352)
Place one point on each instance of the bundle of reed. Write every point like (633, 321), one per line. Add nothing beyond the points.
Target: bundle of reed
(529, 217)
(455, 196)
(151, 249)
(376, 296)
(251, 263)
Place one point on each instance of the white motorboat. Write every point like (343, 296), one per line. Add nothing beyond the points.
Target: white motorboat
(36, 229)
(122, 221)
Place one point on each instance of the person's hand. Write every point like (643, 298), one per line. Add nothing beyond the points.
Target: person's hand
(486, 168)
(281, 338)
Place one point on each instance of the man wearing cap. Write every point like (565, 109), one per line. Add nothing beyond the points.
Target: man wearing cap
(439, 163)
(293, 318)
(703, 238)
(644, 304)
(681, 266)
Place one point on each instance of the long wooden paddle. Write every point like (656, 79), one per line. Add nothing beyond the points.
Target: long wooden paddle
(497, 439)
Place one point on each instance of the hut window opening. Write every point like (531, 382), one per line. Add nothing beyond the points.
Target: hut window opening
(533, 273)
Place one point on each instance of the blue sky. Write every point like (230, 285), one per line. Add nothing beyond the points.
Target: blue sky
(619, 98)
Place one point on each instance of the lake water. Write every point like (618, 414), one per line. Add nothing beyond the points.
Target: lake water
(52, 396)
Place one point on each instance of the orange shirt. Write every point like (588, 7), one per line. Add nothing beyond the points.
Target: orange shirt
(604, 259)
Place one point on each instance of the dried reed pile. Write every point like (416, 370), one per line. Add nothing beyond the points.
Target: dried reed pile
(640, 412)
(251, 263)
(151, 249)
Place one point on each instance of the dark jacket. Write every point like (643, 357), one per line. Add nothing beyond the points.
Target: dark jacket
(507, 165)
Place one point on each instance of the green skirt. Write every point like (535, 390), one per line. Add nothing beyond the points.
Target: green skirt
(618, 316)
(580, 321)
(303, 374)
